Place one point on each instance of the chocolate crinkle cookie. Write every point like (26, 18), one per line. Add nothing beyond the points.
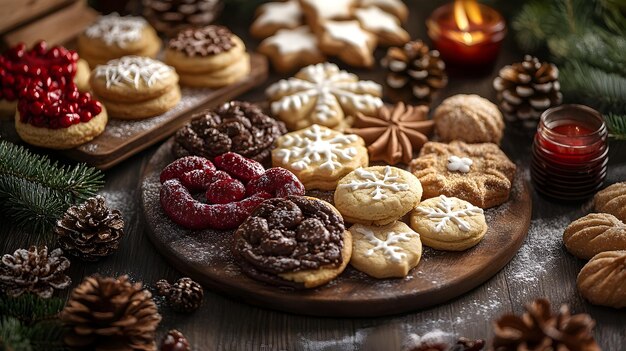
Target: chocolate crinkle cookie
(289, 235)
(235, 126)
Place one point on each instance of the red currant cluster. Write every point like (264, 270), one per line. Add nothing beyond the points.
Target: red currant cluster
(52, 104)
(19, 66)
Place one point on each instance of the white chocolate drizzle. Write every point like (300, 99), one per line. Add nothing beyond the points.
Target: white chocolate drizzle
(114, 29)
(132, 70)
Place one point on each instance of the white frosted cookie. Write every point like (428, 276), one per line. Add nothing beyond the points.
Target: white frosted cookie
(349, 41)
(448, 223)
(290, 49)
(384, 25)
(390, 251)
(274, 16)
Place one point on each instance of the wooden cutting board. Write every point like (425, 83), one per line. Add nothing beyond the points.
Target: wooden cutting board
(440, 276)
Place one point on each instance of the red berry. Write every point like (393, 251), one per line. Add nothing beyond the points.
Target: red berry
(95, 107)
(85, 116)
(41, 47)
(55, 52)
(33, 94)
(225, 191)
(73, 95)
(66, 120)
(36, 108)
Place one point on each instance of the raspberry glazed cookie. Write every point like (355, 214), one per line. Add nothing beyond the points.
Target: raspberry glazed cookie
(113, 36)
(210, 56)
(377, 195)
(319, 156)
(232, 186)
(612, 200)
(389, 251)
(296, 242)
(448, 223)
(236, 126)
(478, 173)
(135, 87)
(322, 94)
(58, 116)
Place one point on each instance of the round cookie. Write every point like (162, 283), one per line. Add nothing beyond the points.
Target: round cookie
(594, 233)
(377, 195)
(448, 223)
(319, 156)
(298, 242)
(145, 108)
(229, 75)
(612, 200)
(601, 281)
(390, 251)
(469, 118)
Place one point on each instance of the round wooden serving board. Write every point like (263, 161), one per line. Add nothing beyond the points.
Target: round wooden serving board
(440, 276)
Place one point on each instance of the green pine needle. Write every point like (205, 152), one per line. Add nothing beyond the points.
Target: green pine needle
(591, 86)
(617, 125)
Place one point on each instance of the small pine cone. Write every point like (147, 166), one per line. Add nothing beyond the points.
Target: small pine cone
(528, 88)
(110, 314)
(184, 296)
(170, 16)
(415, 73)
(90, 231)
(175, 341)
(34, 271)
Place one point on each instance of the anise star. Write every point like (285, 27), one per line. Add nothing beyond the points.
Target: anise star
(394, 133)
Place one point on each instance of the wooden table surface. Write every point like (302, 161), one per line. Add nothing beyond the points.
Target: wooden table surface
(542, 268)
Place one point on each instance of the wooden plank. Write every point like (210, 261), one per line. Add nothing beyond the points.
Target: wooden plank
(18, 12)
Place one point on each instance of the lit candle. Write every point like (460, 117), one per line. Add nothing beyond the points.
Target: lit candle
(466, 33)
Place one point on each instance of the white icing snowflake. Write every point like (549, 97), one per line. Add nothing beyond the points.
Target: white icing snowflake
(326, 89)
(390, 251)
(377, 183)
(131, 70)
(459, 164)
(114, 29)
(444, 213)
(316, 145)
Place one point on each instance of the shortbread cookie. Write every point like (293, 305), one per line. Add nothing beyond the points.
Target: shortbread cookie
(394, 7)
(601, 281)
(384, 25)
(594, 233)
(349, 41)
(448, 223)
(479, 173)
(390, 251)
(469, 118)
(319, 156)
(297, 242)
(290, 49)
(319, 11)
(145, 108)
(237, 71)
(322, 94)
(112, 37)
(612, 200)
(274, 16)
(377, 195)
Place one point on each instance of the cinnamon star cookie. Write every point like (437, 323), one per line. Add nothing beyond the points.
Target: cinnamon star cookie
(393, 133)
(478, 173)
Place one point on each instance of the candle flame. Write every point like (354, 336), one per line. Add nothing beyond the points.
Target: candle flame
(466, 12)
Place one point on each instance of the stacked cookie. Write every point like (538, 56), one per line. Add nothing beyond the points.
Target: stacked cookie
(210, 56)
(135, 87)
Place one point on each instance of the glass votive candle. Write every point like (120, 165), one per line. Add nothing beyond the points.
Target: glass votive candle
(570, 152)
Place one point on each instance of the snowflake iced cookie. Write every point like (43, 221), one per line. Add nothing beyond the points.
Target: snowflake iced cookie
(135, 87)
(290, 49)
(479, 173)
(319, 156)
(113, 36)
(377, 195)
(448, 223)
(390, 251)
(322, 94)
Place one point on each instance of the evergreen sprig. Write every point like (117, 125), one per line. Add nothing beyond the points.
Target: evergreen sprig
(34, 191)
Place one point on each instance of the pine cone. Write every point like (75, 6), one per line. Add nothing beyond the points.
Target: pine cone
(184, 296)
(175, 341)
(415, 73)
(34, 271)
(528, 88)
(90, 231)
(170, 16)
(112, 314)
(538, 329)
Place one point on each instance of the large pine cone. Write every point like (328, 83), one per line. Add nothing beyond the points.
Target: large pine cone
(110, 314)
(170, 16)
(415, 73)
(184, 296)
(528, 88)
(34, 271)
(538, 330)
(90, 231)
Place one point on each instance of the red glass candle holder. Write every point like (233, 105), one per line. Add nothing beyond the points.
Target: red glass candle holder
(474, 40)
(570, 153)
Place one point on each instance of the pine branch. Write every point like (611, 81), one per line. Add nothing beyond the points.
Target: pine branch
(617, 125)
(30, 309)
(591, 86)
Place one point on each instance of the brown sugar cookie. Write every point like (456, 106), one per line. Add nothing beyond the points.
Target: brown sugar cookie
(469, 118)
(612, 200)
(297, 241)
(478, 173)
(594, 233)
(601, 281)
